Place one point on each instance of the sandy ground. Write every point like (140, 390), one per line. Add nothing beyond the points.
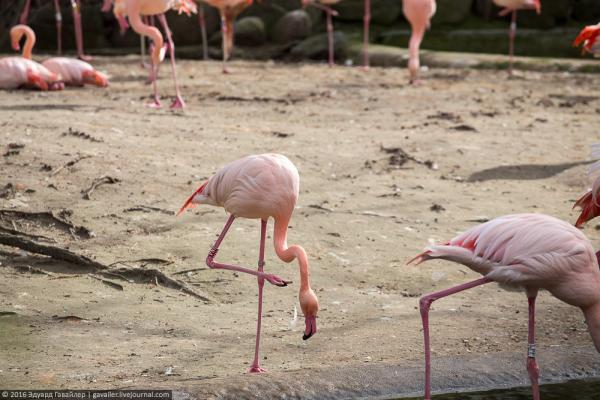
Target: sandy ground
(484, 145)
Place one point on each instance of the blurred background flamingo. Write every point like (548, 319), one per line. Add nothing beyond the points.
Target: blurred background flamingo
(588, 39)
(325, 5)
(418, 13)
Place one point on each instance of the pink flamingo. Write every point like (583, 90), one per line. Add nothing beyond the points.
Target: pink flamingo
(588, 37)
(134, 9)
(229, 10)
(512, 6)
(325, 5)
(589, 202)
(418, 13)
(260, 187)
(76, 6)
(529, 251)
(22, 71)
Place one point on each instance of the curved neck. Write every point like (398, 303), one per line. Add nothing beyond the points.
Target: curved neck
(592, 318)
(135, 20)
(21, 30)
(288, 254)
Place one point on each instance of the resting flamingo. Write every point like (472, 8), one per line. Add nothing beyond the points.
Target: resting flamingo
(229, 10)
(261, 187)
(527, 251)
(325, 5)
(76, 6)
(588, 37)
(511, 7)
(589, 202)
(21, 71)
(419, 14)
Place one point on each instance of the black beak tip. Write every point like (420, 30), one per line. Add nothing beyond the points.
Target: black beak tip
(306, 337)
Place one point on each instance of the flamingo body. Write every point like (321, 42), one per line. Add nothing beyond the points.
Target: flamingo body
(419, 14)
(76, 72)
(16, 72)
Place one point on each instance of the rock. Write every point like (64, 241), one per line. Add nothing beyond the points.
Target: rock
(383, 12)
(295, 25)
(316, 48)
(250, 31)
(452, 12)
(269, 13)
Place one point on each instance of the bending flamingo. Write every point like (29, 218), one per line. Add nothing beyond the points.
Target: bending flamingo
(418, 13)
(76, 6)
(325, 5)
(229, 10)
(261, 187)
(528, 251)
(511, 7)
(588, 37)
(589, 202)
(17, 72)
(72, 71)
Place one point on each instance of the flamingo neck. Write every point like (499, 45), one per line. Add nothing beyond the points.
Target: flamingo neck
(288, 254)
(592, 318)
(29, 43)
(135, 20)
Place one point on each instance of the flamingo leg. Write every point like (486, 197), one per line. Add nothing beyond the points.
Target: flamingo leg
(58, 17)
(261, 283)
(367, 20)
(413, 59)
(330, 35)
(178, 102)
(225, 47)
(25, 14)
(424, 305)
(532, 368)
(202, 22)
(511, 44)
(210, 260)
(76, 5)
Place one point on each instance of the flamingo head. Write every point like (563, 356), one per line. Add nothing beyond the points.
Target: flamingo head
(310, 307)
(93, 77)
(15, 38)
(588, 37)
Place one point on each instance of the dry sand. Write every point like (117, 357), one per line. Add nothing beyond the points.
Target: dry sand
(480, 145)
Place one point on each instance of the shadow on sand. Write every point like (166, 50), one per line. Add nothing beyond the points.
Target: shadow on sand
(523, 171)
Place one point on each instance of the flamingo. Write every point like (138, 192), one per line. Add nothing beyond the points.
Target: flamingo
(72, 71)
(76, 6)
(588, 37)
(134, 9)
(528, 251)
(511, 7)
(22, 71)
(229, 10)
(261, 187)
(325, 5)
(589, 204)
(418, 13)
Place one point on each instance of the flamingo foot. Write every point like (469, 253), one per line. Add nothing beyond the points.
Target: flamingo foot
(226, 71)
(365, 68)
(255, 369)
(177, 104)
(85, 57)
(276, 280)
(416, 82)
(155, 103)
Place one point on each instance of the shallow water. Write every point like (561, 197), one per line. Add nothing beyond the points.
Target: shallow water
(573, 390)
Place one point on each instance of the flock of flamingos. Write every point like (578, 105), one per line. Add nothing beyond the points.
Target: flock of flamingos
(527, 251)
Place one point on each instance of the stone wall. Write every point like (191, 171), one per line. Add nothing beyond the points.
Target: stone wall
(281, 29)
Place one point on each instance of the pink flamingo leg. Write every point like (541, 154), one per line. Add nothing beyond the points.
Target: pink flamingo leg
(511, 44)
(424, 304)
(367, 20)
(225, 50)
(330, 35)
(413, 59)
(275, 280)
(154, 73)
(76, 5)
(25, 13)
(261, 283)
(178, 102)
(532, 368)
(202, 22)
(58, 17)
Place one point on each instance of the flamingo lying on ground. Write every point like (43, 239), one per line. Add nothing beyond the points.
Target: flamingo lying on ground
(72, 71)
(20, 71)
(512, 6)
(261, 187)
(76, 6)
(590, 202)
(229, 10)
(528, 251)
(418, 13)
(588, 37)
(325, 5)
(134, 9)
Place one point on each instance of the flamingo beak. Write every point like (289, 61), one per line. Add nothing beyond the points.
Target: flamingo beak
(311, 327)
(15, 45)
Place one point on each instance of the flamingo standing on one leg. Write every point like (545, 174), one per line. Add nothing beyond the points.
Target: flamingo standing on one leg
(419, 14)
(530, 251)
(229, 10)
(261, 187)
(511, 7)
(325, 5)
(588, 37)
(21, 71)
(76, 6)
